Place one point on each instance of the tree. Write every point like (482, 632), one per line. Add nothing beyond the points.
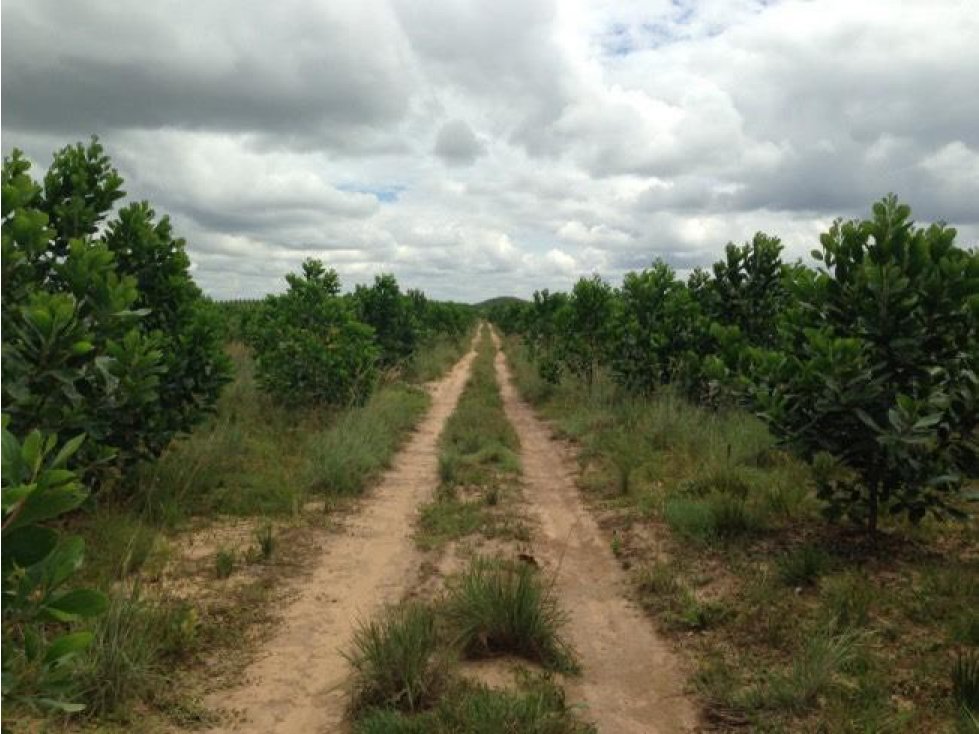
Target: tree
(585, 327)
(878, 384)
(656, 329)
(309, 347)
(391, 315)
(104, 332)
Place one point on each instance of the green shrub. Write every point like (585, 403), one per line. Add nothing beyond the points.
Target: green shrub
(879, 368)
(391, 315)
(309, 347)
(104, 331)
(395, 660)
(497, 607)
(39, 649)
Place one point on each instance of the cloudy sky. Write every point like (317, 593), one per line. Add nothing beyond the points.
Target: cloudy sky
(478, 148)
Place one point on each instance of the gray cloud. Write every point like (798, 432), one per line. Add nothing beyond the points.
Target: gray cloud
(609, 133)
(456, 144)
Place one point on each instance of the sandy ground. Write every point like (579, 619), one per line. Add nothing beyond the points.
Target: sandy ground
(297, 683)
(631, 680)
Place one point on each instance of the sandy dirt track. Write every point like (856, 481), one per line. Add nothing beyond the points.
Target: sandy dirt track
(297, 683)
(631, 682)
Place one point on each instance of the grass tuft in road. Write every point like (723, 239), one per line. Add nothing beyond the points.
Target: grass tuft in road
(497, 607)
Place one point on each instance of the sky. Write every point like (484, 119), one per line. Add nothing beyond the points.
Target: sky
(477, 149)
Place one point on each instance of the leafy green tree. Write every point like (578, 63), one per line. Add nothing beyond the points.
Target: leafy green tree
(38, 565)
(392, 316)
(544, 334)
(878, 384)
(656, 331)
(585, 327)
(747, 289)
(309, 346)
(104, 332)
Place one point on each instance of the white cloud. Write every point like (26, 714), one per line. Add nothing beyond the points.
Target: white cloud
(477, 148)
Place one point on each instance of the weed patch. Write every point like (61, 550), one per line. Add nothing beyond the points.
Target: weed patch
(496, 607)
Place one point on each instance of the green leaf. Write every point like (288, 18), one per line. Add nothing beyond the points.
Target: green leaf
(11, 467)
(67, 451)
(63, 561)
(32, 451)
(28, 545)
(56, 705)
(77, 604)
(67, 645)
(48, 502)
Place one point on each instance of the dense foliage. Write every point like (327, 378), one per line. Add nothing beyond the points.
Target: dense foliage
(866, 366)
(38, 565)
(314, 346)
(104, 331)
(309, 346)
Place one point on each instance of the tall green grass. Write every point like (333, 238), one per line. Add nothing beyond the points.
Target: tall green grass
(344, 458)
(499, 607)
(538, 707)
(436, 356)
(396, 660)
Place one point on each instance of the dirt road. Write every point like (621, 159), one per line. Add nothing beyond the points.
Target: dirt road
(296, 684)
(631, 682)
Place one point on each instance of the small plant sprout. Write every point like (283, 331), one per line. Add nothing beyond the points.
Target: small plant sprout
(265, 538)
(224, 562)
(616, 545)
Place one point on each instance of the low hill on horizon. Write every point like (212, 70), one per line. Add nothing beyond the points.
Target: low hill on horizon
(499, 301)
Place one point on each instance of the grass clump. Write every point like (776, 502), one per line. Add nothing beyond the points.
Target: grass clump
(717, 517)
(802, 566)
(121, 545)
(447, 519)
(265, 541)
(243, 461)
(224, 562)
(847, 599)
(479, 464)
(359, 445)
(815, 669)
(965, 681)
(496, 607)
(131, 652)
(539, 707)
(435, 357)
(396, 660)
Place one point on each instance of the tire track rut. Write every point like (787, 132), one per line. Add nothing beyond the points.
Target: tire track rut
(631, 680)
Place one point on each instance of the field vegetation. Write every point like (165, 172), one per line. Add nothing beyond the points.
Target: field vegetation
(139, 417)
(785, 460)
(486, 604)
